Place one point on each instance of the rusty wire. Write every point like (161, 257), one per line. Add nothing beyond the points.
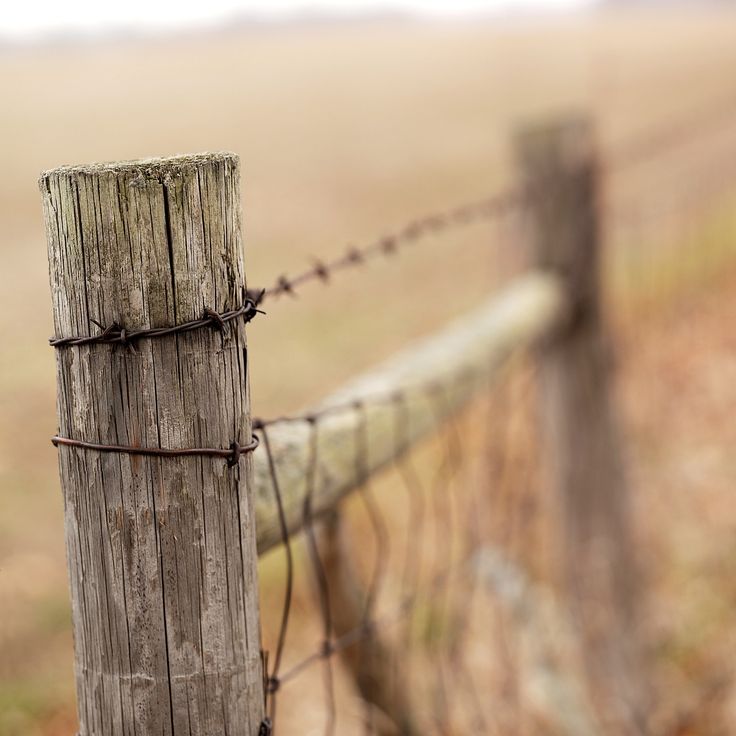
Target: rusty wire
(118, 334)
(368, 629)
(321, 271)
(232, 454)
(443, 582)
(273, 683)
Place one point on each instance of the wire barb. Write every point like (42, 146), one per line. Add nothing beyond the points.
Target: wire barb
(488, 209)
(118, 334)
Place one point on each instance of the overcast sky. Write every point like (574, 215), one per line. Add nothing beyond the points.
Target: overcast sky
(31, 18)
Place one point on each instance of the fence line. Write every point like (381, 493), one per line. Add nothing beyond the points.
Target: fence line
(163, 543)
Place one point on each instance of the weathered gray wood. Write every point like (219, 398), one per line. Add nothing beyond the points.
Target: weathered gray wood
(580, 427)
(161, 551)
(462, 358)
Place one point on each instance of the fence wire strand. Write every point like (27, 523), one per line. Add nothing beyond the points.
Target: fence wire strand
(273, 683)
(320, 577)
(377, 522)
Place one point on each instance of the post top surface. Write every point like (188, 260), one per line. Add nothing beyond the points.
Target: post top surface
(144, 166)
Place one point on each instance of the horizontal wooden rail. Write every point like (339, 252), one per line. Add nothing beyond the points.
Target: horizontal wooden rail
(434, 377)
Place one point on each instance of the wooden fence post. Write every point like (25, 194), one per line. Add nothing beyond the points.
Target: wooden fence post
(581, 435)
(161, 550)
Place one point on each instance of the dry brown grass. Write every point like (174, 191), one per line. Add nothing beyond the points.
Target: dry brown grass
(342, 131)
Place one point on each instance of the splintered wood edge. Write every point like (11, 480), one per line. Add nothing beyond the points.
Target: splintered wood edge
(153, 167)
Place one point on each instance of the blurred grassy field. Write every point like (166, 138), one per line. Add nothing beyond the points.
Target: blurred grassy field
(344, 132)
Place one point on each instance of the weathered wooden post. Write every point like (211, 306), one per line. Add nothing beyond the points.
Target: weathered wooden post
(585, 461)
(154, 432)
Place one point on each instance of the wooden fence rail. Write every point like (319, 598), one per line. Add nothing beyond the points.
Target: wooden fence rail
(461, 360)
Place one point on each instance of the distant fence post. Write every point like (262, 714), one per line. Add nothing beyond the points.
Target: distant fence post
(161, 549)
(560, 169)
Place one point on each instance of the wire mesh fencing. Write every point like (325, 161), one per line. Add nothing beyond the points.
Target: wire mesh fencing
(414, 599)
(410, 669)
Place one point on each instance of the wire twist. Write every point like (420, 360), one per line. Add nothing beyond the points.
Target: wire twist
(118, 334)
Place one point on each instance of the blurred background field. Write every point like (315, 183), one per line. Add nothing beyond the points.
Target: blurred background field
(346, 128)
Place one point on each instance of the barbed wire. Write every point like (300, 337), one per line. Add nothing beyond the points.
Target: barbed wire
(387, 245)
(118, 334)
(634, 151)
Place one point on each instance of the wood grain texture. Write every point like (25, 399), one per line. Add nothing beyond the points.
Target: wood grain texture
(461, 358)
(161, 551)
(580, 426)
